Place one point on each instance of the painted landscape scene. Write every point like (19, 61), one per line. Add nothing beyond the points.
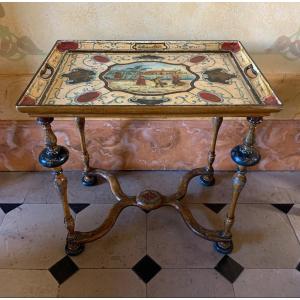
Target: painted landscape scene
(149, 78)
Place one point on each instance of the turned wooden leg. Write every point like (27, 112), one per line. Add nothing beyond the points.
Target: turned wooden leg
(209, 180)
(87, 179)
(245, 155)
(54, 156)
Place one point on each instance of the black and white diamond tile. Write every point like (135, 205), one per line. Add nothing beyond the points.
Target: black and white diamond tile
(215, 207)
(262, 237)
(265, 261)
(14, 186)
(32, 236)
(78, 207)
(63, 269)
(78, 193)
(103, 283)
(294, 217)
(268, 283)
(2, 215)
(229, 268)
(7, 207)
(173, 245)
(122, 247)
(270, 187)
(298, 267)
(146, 268)
(189, 283)
(284, 207)
(17, 283)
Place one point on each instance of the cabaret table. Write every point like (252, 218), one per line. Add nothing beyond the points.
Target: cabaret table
(152, 80)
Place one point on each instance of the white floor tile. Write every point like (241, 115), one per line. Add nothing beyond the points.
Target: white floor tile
(32, 236)
(263, 238)
(294, 216)
(173, 245)
(174, 283)
(27, 283)
(268, 283)
(103, 283)
(122, 247)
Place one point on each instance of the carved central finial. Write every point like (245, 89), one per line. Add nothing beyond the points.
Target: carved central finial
(149, 199)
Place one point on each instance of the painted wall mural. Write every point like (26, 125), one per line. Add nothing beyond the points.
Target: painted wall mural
(287, 46)
(13, 47)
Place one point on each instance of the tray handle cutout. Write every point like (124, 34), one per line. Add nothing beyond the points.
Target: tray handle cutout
(47, 71)
(250, 71)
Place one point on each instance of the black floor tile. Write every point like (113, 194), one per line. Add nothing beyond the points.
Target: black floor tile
(215, 207)
(146, 268)
(7, 207)
(63, 269)
(285, 208)
(78, 207)
(229, 268)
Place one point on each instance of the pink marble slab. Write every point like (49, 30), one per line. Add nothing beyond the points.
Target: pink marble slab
(145, 145)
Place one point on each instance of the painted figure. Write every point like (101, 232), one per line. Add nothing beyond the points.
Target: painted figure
(149, 78)
(176, 79)
(158, 82)
(118, 76)
(141, 80)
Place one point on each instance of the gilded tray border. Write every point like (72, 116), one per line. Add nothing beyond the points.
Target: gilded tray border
(29, 101)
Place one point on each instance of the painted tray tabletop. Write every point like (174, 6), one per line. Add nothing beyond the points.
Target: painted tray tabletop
(163, 78)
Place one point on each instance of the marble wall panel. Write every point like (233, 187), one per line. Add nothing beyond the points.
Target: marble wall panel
(149, 145)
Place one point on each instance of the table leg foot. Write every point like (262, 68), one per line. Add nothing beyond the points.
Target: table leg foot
(89, 180)
(223, 247)
(207, 180)
(73, 248)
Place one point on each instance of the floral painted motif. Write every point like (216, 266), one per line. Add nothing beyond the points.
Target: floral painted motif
(87, 97)
(197, 59)
(209, 97)
(101, 58)
(64, 46)
(270, 100)
(28, 101)
(231, 46)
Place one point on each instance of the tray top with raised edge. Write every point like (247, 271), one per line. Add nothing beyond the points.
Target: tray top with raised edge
(148, 79)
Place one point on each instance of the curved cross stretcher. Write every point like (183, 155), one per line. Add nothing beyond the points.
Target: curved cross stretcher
(53, 156)
(149, 200)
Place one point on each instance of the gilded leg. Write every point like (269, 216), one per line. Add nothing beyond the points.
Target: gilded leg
(54, 156)
(87, 180)
(72, 247)
(245, 155)
(209, 180)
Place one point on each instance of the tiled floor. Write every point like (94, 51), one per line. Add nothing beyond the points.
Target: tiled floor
(152, 254)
